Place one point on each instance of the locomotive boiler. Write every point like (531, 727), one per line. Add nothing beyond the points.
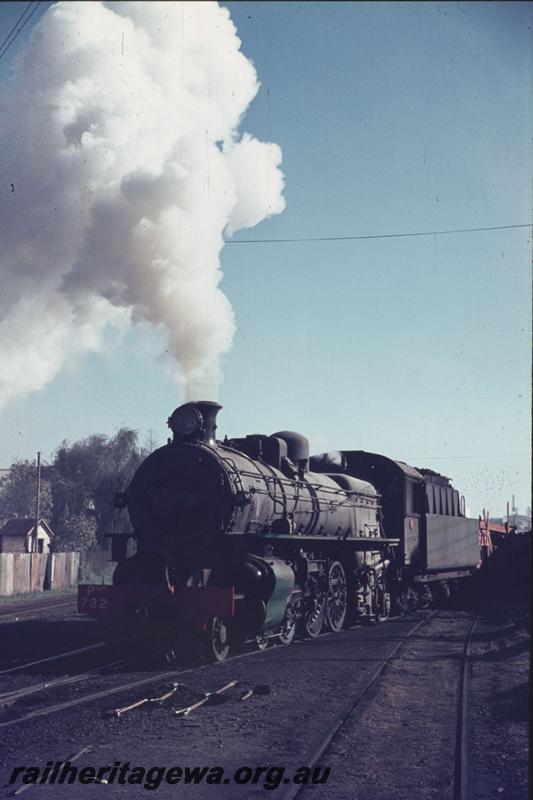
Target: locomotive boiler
(240, 540)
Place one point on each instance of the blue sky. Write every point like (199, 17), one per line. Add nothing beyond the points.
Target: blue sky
(392, 118)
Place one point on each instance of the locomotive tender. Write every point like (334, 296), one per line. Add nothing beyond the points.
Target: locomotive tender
(251, 539)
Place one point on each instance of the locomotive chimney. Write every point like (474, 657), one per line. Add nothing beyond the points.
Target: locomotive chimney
(195, 422)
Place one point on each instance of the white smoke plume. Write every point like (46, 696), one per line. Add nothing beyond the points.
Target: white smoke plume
(121, 168)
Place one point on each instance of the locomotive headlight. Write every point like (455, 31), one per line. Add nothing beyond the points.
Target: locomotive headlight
(186, 421)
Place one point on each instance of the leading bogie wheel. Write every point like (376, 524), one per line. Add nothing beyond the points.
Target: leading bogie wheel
(337, 597)
(215, 639)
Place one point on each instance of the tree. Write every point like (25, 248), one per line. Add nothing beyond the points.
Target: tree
(87, 474)
(77, 489)
(75, 533)
(18, 492)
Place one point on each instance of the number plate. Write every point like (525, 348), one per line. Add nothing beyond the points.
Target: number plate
(94, 599)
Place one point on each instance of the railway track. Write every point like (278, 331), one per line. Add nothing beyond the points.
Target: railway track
(26, 609)
(50, 659)
(7, 698)
(388, 713)
(460, 782)
(93, 696)
(401, 644)
(459, 787)
(326, 740)
(104, 693)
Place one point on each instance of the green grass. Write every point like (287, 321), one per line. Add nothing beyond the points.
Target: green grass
(29, 597)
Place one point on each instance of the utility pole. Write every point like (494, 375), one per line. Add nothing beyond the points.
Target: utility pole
(38, 504)
(151, 443)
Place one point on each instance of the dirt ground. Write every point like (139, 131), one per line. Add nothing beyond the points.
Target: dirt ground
(498, 733)
(310, 682)
(398, 745)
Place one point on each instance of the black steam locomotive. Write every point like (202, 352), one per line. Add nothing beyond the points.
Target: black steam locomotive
(251, 539)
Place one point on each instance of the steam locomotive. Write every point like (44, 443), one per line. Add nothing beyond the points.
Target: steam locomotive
(250, 539)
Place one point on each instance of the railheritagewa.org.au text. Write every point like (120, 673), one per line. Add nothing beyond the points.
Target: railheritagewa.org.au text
(151, 778)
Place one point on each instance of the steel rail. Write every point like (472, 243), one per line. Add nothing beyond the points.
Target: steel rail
(460, 778)
(171, 674)
(68, 760)
(66, 680)
(10, 611)
(57, 657)
(323, 745)
(122, 688)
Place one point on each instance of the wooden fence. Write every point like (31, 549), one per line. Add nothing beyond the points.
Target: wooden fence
(21, 573)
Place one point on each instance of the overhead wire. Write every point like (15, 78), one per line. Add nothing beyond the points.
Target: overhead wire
(377, 235)
(8, 41)
(16, 23)
(471, 456)
(15, 31)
